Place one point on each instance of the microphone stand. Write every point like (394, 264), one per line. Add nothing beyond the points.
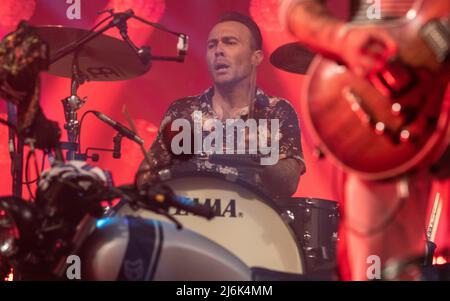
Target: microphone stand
(118, 20)
(95, 157)
(73, 103)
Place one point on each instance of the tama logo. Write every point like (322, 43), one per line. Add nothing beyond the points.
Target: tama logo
(221, 208)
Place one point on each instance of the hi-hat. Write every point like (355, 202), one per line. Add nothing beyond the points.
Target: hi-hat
(102, 59)
(292, 57)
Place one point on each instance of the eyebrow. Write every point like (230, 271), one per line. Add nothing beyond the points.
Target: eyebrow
(223, 38)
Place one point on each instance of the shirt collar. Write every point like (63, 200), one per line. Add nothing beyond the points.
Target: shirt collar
(261, 98)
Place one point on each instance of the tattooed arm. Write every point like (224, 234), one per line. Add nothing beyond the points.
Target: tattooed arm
(363, 50)
(282, 177)
(159, 153)
(312, 23)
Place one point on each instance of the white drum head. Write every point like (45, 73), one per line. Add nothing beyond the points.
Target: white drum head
(244, 223)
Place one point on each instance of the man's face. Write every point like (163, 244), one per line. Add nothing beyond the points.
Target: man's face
(230, 55)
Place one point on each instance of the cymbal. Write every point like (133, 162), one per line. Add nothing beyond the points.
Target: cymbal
(292, 57)
(102, 59)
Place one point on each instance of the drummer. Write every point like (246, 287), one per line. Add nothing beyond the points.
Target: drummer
(233, 53)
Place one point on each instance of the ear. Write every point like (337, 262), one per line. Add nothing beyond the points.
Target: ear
(257, 57)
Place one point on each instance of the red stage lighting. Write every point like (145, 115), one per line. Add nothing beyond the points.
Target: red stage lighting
(10, 276)
(13, 11)
(439, 260)
(265, 14)
(151, 10)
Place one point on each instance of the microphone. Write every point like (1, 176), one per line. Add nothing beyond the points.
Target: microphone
(123, 130)
(164, 197)
(182, 45)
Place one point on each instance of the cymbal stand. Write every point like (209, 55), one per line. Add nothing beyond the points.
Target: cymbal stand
(71, 105)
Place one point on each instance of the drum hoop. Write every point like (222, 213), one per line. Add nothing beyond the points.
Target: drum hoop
(238, 181)
(245, 184)
(316, 203)
(266, 199)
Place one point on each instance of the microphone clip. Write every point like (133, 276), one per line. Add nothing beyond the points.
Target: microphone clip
(144, 53)
(117, 146)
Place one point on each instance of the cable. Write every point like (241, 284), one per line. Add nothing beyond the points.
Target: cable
(27, 181)
(78, 139)
(42, 169)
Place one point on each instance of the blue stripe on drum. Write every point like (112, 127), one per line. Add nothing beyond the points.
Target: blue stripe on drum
(143, 250)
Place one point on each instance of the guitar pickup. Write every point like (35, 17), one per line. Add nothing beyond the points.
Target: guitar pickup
(395, 79)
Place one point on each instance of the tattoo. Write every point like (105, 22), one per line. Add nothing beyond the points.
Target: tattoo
(315, 26)
(283, 177)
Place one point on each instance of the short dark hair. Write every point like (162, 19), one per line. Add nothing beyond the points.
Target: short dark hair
(248, 22)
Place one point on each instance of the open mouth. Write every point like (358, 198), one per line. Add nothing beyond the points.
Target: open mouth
(221, 67)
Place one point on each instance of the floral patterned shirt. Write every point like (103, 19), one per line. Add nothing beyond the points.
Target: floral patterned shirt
(265, 107)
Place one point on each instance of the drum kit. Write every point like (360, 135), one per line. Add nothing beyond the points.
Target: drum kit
(248, 229)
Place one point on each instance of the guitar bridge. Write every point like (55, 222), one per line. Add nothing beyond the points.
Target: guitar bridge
(367, 118)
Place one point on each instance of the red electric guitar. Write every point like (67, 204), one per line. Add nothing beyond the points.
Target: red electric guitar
(396, 120)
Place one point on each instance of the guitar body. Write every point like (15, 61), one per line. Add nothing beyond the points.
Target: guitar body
(391, 123)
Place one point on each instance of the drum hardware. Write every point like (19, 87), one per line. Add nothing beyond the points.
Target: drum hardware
(24, 55)
(164, 174)
(232, 177)
(92, 56)
(315, 223)
(287, 216)
(242, 160)
(71, 105)
(116, 151)
(16, 154)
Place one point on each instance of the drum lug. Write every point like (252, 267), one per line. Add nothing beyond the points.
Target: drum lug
(335, 237)
(165, 174)
(288, 216)
(307, 237)
(308, 213)
(231, 177)
(311, 252)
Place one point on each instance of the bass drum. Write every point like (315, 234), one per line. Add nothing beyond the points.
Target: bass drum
(246, 221)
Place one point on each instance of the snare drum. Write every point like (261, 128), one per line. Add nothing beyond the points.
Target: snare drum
(246, 222)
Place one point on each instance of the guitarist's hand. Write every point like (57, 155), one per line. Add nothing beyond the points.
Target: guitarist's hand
(365, 50)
